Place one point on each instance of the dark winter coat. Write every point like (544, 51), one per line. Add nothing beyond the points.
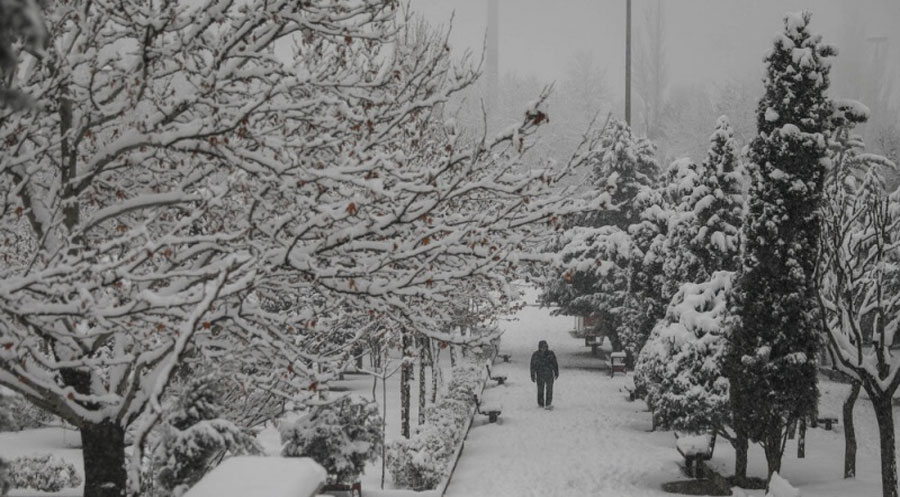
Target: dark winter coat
(543, 364)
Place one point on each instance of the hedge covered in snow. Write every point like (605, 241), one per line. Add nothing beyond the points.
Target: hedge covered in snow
(45, 473)
(423, 460)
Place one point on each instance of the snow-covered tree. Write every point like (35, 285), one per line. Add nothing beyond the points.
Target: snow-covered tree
(859, 287)
(680, 370)
(341, 435)
(196, 436)
(179, 175)
(683, 359)
(705, 236)
(601, 258)
(772, 355)
(622, 165)
(645, 302)
(21, 21)
(46, 473)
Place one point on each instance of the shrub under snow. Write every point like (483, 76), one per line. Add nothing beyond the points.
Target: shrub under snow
(423, 460)
(45, 473)
(680, 368)
(341, 436)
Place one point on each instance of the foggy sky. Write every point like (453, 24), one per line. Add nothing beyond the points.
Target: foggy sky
(706, 41)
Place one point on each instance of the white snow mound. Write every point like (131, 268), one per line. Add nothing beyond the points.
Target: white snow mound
(779, 487)
(244, 476)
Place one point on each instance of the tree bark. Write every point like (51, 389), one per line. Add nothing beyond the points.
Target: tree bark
(103, 451)
(423, 393)
(850, 432)
(801, 440)
(741, 448)
(406, 370)
(773, 450)
(452, 355)
(884, 416)
(433, 359)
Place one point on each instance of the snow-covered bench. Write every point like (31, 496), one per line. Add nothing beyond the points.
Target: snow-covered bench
(617, 363)
(491, 411)
(828, 421)
(500, 379)
(353, 489)
(505, 357)
(695, 449)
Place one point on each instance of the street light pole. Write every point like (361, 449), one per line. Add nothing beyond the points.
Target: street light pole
(628, 62)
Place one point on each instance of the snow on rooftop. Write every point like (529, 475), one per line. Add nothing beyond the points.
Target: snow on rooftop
(245, 476)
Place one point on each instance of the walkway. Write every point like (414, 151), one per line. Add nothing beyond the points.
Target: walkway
(593, 443)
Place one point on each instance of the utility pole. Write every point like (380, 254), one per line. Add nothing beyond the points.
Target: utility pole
(628, 62)
(492, 61)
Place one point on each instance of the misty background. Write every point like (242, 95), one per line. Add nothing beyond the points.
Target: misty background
(692, 60)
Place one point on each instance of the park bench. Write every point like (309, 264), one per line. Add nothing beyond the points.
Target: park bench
(492, 412)
(349, 489)
(617, 363)
(828, 421)
(695, 449)
(500, 379)
(594, 342)
(505, 357)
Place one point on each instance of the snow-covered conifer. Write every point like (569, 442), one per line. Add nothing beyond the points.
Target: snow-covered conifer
(772, 356)
(622, 164)
(682, 361)
(195, 436)
(341, 435)
(704, 235)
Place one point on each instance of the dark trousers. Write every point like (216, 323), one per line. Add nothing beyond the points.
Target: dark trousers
(545, 390)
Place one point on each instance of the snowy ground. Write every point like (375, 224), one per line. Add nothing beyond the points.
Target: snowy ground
(61, 442)
(594, 442)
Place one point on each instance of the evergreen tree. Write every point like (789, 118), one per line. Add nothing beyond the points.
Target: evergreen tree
(607, 259)
(645, 303)
(706, 236)
(622, 165)
(680, 369)
(196, 436)
(771, 362)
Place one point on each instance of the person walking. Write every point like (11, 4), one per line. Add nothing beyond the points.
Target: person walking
(543, 371)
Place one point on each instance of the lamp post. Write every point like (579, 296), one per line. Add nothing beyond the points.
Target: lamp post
(628, 62)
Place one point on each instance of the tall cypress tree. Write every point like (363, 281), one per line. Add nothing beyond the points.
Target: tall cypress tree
(772, 355)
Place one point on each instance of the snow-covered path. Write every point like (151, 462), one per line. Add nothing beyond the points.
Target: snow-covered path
(594, 442)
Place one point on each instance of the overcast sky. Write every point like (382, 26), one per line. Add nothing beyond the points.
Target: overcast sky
(706, 40)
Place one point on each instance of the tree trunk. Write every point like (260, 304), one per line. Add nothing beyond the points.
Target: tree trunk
(423, 394)
(801, 441)
(452, 355)
(850, 432)
(433, 359)
(103, 452)
(406, 370)
(884, 416)
(741, 447)
(773, 449)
